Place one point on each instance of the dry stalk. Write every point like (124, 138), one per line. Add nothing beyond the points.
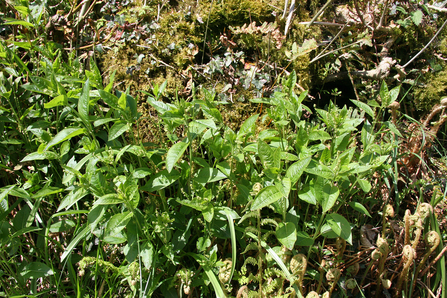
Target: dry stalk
(243, 292)
(419, 141)
(321, 270)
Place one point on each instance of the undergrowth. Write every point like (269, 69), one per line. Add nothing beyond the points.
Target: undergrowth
(247, 191)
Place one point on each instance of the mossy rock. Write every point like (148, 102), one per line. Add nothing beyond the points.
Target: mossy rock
(223, 14)
(431, 91)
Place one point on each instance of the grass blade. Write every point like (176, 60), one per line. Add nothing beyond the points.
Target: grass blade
(233, 241)
(75, 242)
(213, 279)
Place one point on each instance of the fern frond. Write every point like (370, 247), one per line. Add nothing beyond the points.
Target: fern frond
(250, 260)
(251, 246)
(251, 229)
(245, 280)
(270, 286)
(253, 294)
(273, 272)
(251, 214)
(267, 221)
(290, 292)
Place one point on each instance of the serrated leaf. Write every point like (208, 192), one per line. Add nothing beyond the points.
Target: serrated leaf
(208, 123)
(295, 171)
(197, 127)
(269, 157)
(319, 170)
(117, 129)
(284, 186)
(64, 135)
(417, 16)
(307, 46)
(158, 90)
(3, 195)
(122, 101)
(288, 156)
(291, 80)
(23, 10)
(208, 213)
(225, 168)
(393, 128)
(141, 173)
(160, 106)
(174, 154)
(95, 77)
(132, 105)
(265, 197)
(199, 205)
(61, 226)
(103, 121)
(267, 134)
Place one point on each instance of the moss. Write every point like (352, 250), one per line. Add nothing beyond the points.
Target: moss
(235, 114)
(236, 12)
(431, 92)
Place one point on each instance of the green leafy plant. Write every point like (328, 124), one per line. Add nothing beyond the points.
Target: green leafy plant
(273, 206)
